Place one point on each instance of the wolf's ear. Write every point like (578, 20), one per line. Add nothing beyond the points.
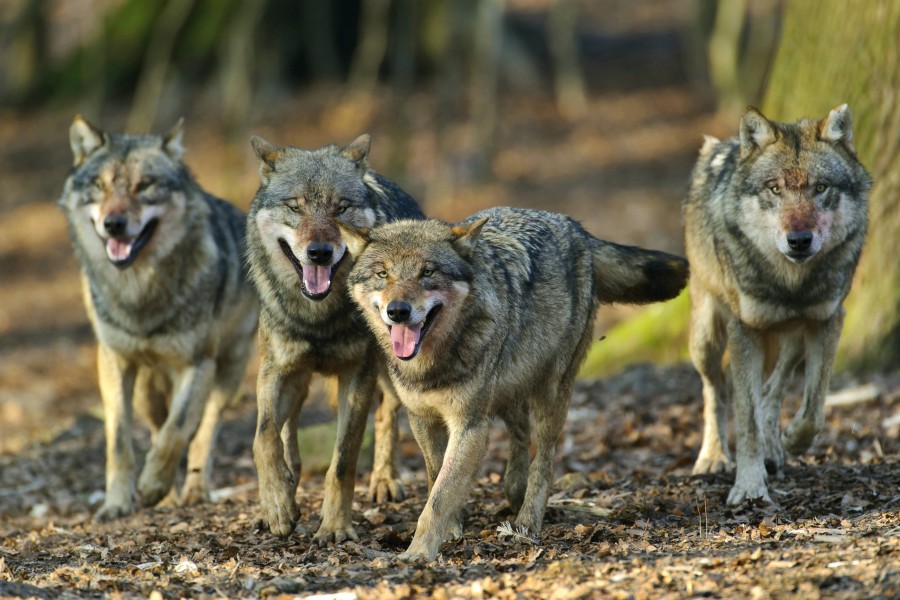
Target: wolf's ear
(84, 138)
(268, 154)
(172, 141)
(358, 149)
(756, 131)
(356, 238)
(838, 127)
(464, 237)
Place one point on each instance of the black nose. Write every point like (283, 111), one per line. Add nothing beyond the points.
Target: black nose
(115, 225)
(320, 253)
(399, 312)
(800, 240)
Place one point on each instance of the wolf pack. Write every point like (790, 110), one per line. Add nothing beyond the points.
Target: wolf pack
(336, 271)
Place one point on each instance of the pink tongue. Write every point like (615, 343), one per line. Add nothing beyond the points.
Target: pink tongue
(316, 279)
(405, 338)
(117, 249)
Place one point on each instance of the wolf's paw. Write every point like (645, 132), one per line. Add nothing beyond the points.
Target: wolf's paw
(712, 463)
(774, 456)
(279, 516)
(417, 554)
(799, 436)
(152, 490)
(749, 488)
(455, 528)
(385, 488)
(337, 534)
(110, 511)
(195, 491)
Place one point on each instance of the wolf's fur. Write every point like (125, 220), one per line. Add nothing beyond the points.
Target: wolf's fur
(170, 303)
(753, 288)
(491, 318)
(309, 325)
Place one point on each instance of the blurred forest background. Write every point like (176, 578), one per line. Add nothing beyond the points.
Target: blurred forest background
(590, 107)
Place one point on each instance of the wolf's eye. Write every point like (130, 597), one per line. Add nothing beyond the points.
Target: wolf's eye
(427, 272)
(292, 204)
(381, 274)
(775, 189)
(144, 184)
(341, 209)
(821, 188)
(98, 184)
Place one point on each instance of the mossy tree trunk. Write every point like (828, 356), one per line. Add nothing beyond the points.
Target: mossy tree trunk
(832, 52)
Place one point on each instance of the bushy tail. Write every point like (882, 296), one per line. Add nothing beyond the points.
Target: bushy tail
(634, 275)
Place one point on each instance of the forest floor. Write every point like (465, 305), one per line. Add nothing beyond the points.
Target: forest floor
(626, 519)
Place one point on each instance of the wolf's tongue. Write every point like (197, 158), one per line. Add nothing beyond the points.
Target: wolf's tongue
(117, 249)
(404, 339)
(316, 278)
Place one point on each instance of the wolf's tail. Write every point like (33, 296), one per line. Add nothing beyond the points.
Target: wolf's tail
(634, 275)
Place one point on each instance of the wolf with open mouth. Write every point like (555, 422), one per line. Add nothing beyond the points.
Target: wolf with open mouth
(491, 318)
(170, 302)
(299, 263)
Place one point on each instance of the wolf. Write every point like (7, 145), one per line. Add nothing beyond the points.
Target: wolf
(299, 264)
(170, 303)
(491, 318)
(775, 221)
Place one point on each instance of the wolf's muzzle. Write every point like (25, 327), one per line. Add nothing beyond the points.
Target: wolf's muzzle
(115, 225)
(399, 312)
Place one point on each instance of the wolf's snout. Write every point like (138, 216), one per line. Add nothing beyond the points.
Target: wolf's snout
(115, 225)
(319, 253)
(800, 240)
(399, 312)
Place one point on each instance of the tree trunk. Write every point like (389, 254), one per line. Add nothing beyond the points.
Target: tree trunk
(848, 52)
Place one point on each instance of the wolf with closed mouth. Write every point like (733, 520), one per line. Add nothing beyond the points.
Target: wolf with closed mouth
(299, 265)
(169, 300)
(775, 221)
(491, 318)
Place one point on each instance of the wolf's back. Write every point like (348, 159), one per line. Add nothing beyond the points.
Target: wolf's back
(633, 275)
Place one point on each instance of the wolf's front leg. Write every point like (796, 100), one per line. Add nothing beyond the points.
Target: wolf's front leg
(440, 517)
(354, 400)
(821, 347)
(117, 379)
(384, 483)
(746, 349)
(191, 391)
(279, 394)
(789, 354)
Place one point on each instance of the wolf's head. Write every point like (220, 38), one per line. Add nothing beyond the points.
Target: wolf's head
(411, 279)
(122, 189)
(802, 189)
(303, 196)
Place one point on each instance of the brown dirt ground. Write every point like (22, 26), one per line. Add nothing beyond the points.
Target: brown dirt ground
(626, 519)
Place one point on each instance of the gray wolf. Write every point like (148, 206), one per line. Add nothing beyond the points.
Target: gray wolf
(299, 264)
(774, 225)
(491, 318)
(169, 300)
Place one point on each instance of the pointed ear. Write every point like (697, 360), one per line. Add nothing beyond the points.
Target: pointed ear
(268, 154)
(465, 236)
(358, 149)
(84, 139)
(356, 238)
(172, 141)
(756, 131)
(838, 126)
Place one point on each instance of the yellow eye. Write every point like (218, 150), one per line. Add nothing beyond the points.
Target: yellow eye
(821, 188)
(341, 209)
(292, 204)
(427, 272)
(98, 184)
(381, 274)
(775, 189)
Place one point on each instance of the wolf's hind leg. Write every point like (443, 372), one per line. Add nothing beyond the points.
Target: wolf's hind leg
(117, 379)
(707, 346)
(384, 483)
(515, 480)
(821, 346)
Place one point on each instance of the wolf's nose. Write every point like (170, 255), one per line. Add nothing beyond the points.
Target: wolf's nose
(399, 312)
(115, 224)
(800, 240)
(320, 253)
